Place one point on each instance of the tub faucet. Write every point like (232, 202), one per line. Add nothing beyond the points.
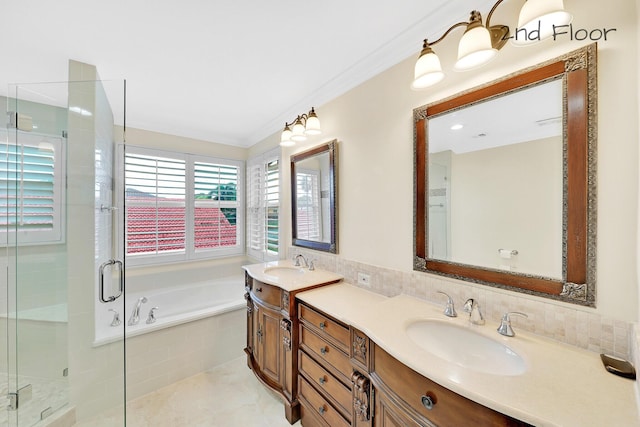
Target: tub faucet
(297, 260)
(152, 315)
(135, 315)
(475, 315)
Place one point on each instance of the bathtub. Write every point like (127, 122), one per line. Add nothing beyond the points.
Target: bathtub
(176, 305)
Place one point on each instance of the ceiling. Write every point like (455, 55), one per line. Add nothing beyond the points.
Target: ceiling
(525, 115)
(225, 71)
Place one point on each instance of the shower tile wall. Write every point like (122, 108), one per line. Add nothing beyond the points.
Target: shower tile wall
(96, 374)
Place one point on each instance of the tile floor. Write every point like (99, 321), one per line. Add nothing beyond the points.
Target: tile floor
(226, 396)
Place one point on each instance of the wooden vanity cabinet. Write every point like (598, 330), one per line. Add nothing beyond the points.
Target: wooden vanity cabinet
(332, 388)
(405, 398)
(346, 380)
(272, 340)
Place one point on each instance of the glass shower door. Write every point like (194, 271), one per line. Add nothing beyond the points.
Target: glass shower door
(57, 223)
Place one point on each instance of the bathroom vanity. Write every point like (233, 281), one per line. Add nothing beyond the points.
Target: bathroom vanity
(359, 366)
(272, 324)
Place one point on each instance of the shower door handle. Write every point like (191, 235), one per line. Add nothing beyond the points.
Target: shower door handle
(101, 281)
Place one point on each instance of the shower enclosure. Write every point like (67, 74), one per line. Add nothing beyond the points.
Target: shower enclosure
(57, 222)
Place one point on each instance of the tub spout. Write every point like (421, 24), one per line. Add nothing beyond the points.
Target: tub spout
(135, 315)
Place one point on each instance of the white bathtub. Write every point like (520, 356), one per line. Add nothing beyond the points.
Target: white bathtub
(176, 305)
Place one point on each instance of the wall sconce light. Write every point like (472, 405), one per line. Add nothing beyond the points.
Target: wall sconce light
(480, 43)
(297, 130)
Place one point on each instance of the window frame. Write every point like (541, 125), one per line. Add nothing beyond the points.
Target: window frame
(190, 253)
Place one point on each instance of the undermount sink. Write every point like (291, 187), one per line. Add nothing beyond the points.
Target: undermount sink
(466, 348)
(284, 271)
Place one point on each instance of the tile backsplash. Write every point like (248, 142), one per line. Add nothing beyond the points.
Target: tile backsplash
(574, 325)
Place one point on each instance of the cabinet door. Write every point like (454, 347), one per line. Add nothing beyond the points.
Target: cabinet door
(389, 415)
(269, 342)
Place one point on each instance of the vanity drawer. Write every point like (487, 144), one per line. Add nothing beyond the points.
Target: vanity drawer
(326, 353)
(449, 409)
(268, 294)
(323, 380)
(326, 327)
(313, 401)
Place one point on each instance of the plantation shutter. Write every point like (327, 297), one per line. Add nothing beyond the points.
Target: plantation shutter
(155, 204)
(308, 205)
(263, 202)
(272, 202)
(31, 189)
(255, 230)
(216, 205)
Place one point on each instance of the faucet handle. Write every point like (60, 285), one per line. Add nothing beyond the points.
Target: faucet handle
(116, 318)
(152, 315)
(312, 265)
(505, 324)
(449, 309)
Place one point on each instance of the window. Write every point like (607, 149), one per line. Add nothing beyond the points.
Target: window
(181, 207)
(32, 188)
(263, 206)
(308, 204)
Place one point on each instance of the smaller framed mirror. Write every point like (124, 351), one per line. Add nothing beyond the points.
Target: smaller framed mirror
(314, 188)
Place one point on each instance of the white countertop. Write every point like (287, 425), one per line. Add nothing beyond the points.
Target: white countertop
(289, 278)
(562, 386)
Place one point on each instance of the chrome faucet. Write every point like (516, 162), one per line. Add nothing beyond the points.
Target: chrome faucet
(135, 315)
(152, 315)
(472, 307)
(505, 325)
(297, 260)
(116, 318)
(449, 309)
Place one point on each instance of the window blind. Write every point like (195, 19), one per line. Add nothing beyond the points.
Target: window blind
(263, 202)
(155, 204)
(181, 207)
(216, 205)
(308, 205)
(31, 189)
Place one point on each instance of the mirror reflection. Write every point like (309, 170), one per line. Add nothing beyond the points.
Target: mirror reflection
(505, 181)
(495, 179)
(313, 181)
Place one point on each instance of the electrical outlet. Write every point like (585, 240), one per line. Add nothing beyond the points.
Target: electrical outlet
(364, 279)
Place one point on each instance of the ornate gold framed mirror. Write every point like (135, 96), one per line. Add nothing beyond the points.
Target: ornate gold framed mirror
(505, 184)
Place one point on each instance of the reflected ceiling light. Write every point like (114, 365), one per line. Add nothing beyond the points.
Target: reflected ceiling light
(457, 126)
(300, 128)
(480, 43)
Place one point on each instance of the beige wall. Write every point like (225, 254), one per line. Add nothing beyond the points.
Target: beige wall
(519, 208)
(373, 123)
(162, 141)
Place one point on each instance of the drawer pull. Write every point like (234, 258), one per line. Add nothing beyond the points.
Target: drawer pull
(428, 402)
(323, 350)
(322, 325)
(258, 289)
(322, 410)
(322, 380)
